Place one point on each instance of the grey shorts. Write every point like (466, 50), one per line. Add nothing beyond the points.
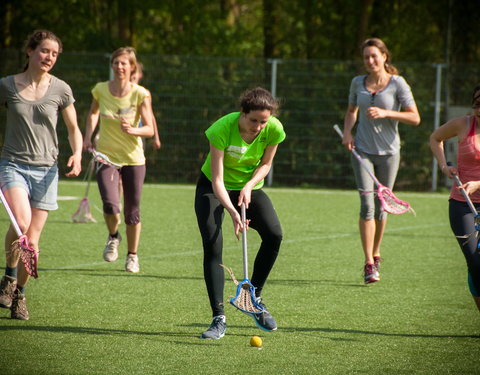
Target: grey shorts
(41, 183)
(385, 168)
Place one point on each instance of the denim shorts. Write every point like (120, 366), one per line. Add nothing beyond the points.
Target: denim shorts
(41, 183)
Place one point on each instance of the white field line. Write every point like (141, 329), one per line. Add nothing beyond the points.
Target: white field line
(306, 239)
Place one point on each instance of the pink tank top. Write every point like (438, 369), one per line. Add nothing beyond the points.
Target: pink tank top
(468, 162)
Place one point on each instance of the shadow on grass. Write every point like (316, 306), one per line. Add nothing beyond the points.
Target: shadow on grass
(324, 282)
(117, 273)
(119, 332)
(90, 330)
(359, 332)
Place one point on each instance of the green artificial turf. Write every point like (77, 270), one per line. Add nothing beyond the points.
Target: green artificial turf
(91, 317)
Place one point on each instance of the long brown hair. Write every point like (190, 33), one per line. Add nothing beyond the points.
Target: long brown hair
(376, 42)
(36, 38)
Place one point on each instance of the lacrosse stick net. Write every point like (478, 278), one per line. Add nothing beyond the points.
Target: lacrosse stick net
(244, 299)
(28, 254)
(83, 213)
(389, 201)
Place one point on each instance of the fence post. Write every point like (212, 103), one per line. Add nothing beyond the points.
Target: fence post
(273, 90)
(436, 122)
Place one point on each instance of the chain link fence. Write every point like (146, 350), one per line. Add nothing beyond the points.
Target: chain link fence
(189, 93)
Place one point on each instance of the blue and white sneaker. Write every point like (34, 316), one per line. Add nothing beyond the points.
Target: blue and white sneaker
(264, 320)
(217, 329)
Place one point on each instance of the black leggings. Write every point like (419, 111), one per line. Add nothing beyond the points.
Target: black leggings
(461, 222)
(210, 214)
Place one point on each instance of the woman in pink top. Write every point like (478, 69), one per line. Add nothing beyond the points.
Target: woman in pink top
(466, 128)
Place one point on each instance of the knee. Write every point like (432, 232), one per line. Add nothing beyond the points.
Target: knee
(274, 238)
(367, 206)
(132, 218)
(110, 208)
(367, 212)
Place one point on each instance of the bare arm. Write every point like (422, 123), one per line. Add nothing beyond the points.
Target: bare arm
(348, 124)
(219, 187)
(260, 173)
(92, 122)
(408, 116)
(454, 128)
(156, 137)
(147, 123)
(75, 139)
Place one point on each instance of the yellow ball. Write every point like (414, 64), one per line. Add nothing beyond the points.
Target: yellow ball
(256, 342)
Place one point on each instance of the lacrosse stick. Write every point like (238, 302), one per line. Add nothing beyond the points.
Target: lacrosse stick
(476, 215)
(245, 299)
(28, 254)
(83, 213)
(390, 203)
(103, 159)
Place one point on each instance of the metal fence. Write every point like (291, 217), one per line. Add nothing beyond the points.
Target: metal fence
(189, 93)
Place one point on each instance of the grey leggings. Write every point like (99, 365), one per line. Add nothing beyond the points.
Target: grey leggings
(385, 168)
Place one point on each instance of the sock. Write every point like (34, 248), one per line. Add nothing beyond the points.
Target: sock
(376, 259)
(11, 271)
(224, 318)
(130, 253)
(114, 235)
(21, 289)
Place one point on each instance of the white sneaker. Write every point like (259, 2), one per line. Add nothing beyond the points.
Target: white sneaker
(110, 253)
(131, 264)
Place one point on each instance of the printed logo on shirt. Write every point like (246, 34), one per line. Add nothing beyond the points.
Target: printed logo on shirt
(236, 152)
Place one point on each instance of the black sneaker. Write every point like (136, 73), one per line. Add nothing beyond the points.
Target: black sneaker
(216, 330)
(264, 320)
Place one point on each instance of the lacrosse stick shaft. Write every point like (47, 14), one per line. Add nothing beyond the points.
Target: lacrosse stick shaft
(357, 156)
(244, 242)
(10, 214)
(89, 174)
(464, 193)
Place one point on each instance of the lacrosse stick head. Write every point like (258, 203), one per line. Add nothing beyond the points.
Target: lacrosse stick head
(28, 255)
(391, 204)
(83, 213)
(245, 299)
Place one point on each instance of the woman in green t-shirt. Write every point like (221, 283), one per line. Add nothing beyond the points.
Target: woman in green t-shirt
(242, 147)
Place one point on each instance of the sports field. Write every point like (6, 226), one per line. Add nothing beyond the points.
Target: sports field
(91, 317)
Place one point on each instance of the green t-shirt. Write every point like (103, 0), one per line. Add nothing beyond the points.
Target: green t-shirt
(240, 158)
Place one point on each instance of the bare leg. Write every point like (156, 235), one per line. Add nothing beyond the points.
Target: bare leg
(133, 237)
(367, 234)
(112, 221)
(380, 226)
